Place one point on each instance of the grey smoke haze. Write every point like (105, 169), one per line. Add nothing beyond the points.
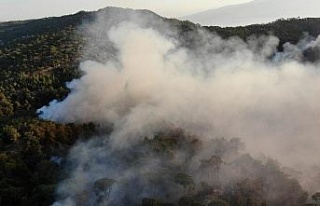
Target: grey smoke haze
(256, 12)
(145, 82)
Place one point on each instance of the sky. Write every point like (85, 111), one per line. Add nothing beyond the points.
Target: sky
(31, 9)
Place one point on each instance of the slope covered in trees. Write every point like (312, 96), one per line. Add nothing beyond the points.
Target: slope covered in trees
(38, 57)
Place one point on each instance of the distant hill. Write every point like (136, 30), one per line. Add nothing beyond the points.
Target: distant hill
(257, 11)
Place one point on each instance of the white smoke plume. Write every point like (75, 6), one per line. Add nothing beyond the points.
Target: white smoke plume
(219, 88)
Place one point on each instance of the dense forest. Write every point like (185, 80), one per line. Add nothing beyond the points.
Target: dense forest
(38, 57)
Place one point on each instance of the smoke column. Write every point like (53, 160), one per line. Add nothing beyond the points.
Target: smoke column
(148, 82)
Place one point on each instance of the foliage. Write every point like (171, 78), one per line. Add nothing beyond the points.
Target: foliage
(37, 57)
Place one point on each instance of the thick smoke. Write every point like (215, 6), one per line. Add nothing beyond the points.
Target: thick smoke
(143, 80)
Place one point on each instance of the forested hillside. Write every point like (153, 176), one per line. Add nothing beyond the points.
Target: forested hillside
(38, 57)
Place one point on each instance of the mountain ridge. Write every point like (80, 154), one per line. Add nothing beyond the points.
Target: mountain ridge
(254, 12)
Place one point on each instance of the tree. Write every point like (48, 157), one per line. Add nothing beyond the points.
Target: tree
(218, 202)
(150, 202)
(316, 198)
(11, 133)
(212, 166)
(185, 180)
(102, 189)
(6, 107)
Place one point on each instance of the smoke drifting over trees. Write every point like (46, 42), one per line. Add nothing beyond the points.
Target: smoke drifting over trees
(193, 117)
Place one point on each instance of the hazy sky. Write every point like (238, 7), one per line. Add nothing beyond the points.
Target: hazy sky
(27, 9)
